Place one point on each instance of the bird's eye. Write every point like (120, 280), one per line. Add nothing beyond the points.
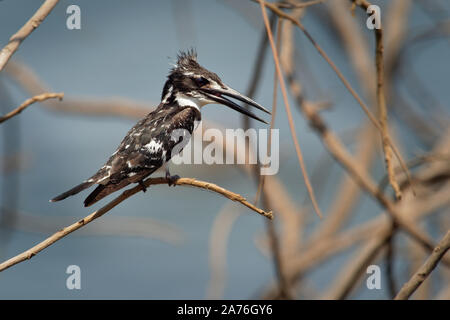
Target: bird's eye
(201, 81)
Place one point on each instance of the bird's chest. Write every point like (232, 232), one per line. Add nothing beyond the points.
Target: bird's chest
(169, 141)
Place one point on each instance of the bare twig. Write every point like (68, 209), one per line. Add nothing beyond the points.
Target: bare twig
(381, 100)
(288, 111)
(313, 253)
(285, 290)
(363, 178)
(438, 253)
(28, 102)
(25, 31)
(345, 280)
(414, 208)
(28, 254)
(389, 258)
(346, 83)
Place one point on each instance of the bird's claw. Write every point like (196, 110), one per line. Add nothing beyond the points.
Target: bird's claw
(171, 180)
(144, 188)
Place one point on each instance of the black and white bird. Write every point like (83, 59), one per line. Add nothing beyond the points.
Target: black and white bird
(149, 144)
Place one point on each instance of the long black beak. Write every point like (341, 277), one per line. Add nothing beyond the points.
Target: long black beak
(219, 95)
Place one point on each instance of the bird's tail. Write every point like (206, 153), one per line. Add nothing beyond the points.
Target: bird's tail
(95, 195)
(73, 191)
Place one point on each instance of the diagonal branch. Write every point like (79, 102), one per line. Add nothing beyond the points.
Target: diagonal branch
(438, 253)
(28, 102)
(25, 31)
(28, 254)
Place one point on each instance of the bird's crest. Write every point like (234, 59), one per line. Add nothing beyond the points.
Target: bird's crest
(187, 59)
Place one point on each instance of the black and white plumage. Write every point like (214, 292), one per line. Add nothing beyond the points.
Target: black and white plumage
(149, 144)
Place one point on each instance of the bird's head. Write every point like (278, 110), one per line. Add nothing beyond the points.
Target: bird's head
(191, 84)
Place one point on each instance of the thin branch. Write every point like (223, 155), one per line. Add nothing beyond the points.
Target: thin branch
(28, 254)
(25, 31)
(381, 101)
(438, 253)
(389, 258)
(359, 174)
(285, 289)
(414, 210)
(346, 83)
(348, 276)
(311, 254)
(28, 102)
(383, 113)
(288, 111)
(258, 69)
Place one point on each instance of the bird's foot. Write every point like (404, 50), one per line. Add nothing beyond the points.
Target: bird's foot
(171, 180)
(142, 184)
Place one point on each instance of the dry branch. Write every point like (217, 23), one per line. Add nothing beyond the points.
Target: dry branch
(25, 31)
(381, 101)
(363, 178)
(285, 289)
(28, 254)
(28, 102)
(346, 83)
(288, 111)
(438, 253)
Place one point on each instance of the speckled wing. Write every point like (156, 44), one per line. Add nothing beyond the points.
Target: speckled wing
(146, 147)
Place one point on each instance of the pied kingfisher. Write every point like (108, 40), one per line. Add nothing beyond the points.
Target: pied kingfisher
(149, 144)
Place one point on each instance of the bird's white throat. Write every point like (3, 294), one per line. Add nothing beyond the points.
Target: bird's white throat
(187, 101)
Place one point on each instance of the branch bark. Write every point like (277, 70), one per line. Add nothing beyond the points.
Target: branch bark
(438, 253)
(28, 254)
(381, 101)
(25, 31)
(27, 103)
(288, 111)
(346, 83)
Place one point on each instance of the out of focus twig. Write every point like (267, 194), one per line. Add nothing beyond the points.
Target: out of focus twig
(115, 106)
(288, 111)
(346, 83)
(25, 31)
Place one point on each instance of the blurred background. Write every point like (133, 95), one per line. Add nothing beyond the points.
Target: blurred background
(184, 243)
